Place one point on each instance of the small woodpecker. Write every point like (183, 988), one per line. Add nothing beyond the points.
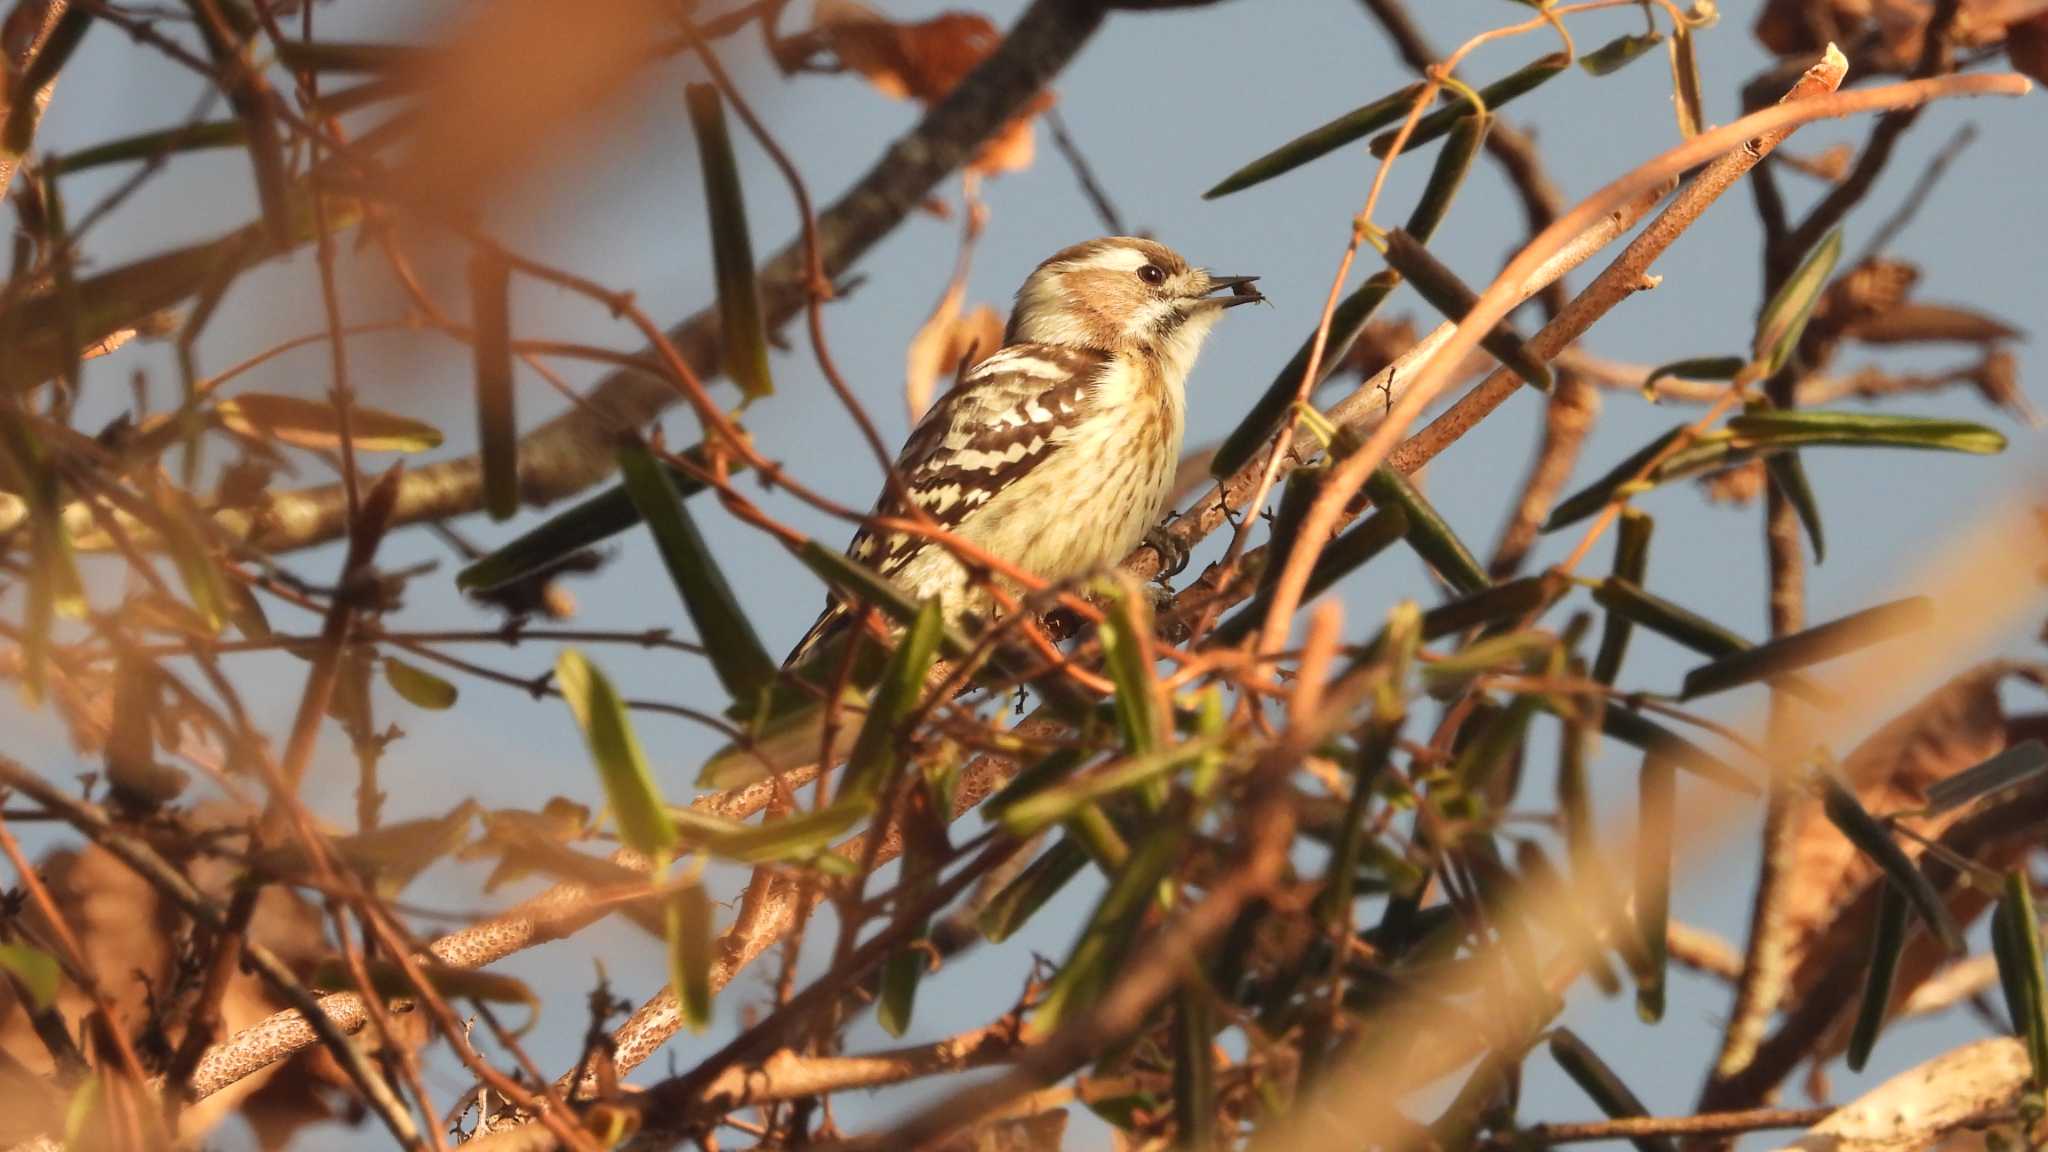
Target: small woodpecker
(1056, 452)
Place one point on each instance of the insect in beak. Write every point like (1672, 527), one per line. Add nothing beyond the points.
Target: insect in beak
(1241, 291)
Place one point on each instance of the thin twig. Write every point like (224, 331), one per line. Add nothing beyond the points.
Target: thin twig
(1705, 1124)
(1084, 172)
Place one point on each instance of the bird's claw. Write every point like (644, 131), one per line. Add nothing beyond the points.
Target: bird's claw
(1173, 555)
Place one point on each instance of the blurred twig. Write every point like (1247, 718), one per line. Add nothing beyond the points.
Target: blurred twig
(1705, 1124)
(1105, 210)
(10, 67)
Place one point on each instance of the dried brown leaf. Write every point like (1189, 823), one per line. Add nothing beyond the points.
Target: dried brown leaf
(129, 935)
(1961, 724)
(949, 342)
(1864, 294)
(1014, 145)
(1735, 486)
(924, 61)
(1908, 323)
(2026, 46)
(1797, 27)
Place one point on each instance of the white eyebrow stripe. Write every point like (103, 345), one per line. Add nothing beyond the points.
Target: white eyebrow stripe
(1117, 259)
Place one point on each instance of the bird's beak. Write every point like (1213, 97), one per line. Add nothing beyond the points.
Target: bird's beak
(1241, 291)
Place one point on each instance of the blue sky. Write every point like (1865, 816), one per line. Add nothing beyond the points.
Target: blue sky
(1163, 105)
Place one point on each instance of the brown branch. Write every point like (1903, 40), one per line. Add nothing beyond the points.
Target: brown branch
(551, 915)
(1866, 383)
(1624, 276)
(203, 1028)
(790, 1076)
(111, 1036)
(1746, 134)
(1098, 197)
(11, 67)
(1705, 1124)
(1573, 408)
(1510, 147)
(1567, 422)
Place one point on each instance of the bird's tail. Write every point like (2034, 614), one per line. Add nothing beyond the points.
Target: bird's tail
(793, 739)
(831, 622)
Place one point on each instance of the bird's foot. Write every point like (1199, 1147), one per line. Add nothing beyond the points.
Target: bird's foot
(1173, 555)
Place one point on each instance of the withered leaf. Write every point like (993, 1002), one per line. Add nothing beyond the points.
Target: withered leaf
(924, 61)
(949, 341)
(1960, 725)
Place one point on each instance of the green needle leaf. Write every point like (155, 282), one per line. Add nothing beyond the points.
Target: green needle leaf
(689, 953)
(1628, 603)
(1451, 296)
(644, 824)
(1618, 53)
(1353, 125)
(735, 651)
(419, 687)
(1631, 561)
(1784, 319)
(1887, 942)
(1808, 426)
(1600, 493)
(1812, 646)
(1518, 83)
(314, 424)
(1875, 841)
(1697, 368)
(1428, 533)
(872, 768)
(567, 533)
(2015, 765)
(490, 303)
(2016, 942)
(732, 250)
(1788, 476)
(1039, 882)
(1599, 1081)
(1522, 595)
(1657, 805)
(1141, 708)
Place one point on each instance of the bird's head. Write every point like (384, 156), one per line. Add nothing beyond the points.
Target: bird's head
(1124, 294)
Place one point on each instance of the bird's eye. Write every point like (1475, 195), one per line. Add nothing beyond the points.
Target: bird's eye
(1152, 274)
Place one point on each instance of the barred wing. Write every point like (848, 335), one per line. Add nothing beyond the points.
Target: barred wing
(1011, 413)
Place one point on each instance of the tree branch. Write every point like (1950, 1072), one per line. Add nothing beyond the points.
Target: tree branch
(10, 162)
(551, 915)
(574, 450)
